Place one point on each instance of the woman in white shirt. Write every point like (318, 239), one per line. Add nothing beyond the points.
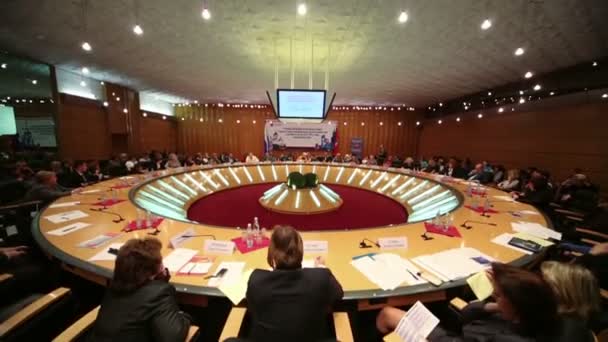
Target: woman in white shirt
(251, 158)
(512, 181)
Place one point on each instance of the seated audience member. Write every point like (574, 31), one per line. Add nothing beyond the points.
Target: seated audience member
(524, 310)
(56, 167)
(46, 188)
(499, 174)
(578, 296)
(397, 162)
(337, 158)
(290, 303)
(422, 164)
(269, 157)
(78, 177)
(347, 158)
(382, 155)
(140, 304)
(372, 160)
(511, 183)
(536, 192)
(93, 172)
(172, 162)
(455, 170)
(597, 262)
(22, 171)
(577, 193)
(189, 161)
(116, 167)
(479, 174)
(409, 163)
(251, 158)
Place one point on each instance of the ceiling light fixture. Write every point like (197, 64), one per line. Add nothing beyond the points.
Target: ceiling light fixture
(439, 122)
(3, 66)
(458, 119)
(403, 17)
(83, 83)
(125, 110)
(206, 14)
(552, 93)
(479, 115)
(604, 96)
(105, 103)
(417, 123)
(528, 74)
(594, 63)
(138, 30)
(399, 123)
(164, 117)
(519, 51)
(34, 82)
(537, 87)
(486, 24)
(86, 46)
(522, 100)
(144, 114)
(489, 93)
(85, 70)
(302, 9)
(500, 110)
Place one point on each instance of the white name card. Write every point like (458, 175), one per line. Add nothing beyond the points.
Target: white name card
(316, 246)
(219, 247)
(180, 238)
(393, 242)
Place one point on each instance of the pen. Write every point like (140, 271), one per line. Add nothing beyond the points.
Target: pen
(412, 274)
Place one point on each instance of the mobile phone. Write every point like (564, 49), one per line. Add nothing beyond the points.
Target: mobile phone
(113, 251)
(221, 273)
(525, 244)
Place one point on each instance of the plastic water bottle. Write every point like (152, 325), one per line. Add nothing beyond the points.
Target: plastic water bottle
(486, 205)
(249, 238)
(445, 222)
(114, 195)
(148, 219)
(437, 221)
(138, 220)
(474, 204)
(469, 190)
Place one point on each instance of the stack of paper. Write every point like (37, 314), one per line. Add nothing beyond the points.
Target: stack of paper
(234, 270)
(236, 291)
(504, 198)
(454, 263)
(66, 216)
(387, 270)
(416, 324)
(536, 229)
(68, 229)
(64, 204)
(481, 285)
(178, 258)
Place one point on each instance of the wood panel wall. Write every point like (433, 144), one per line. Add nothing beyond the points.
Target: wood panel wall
(158, 134)
(557, 139)
(83, 130)
(241, 130)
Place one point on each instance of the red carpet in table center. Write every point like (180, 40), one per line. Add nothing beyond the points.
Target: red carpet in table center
(237, 207)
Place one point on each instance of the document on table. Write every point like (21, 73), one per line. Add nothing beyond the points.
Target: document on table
(90, 191)
(66, 216)
(503, 240)
(68, 229)
(316, 247)
(98, 240)
(234, 270)
(178, 258)
(481, 285)
(526, 236)
(64, 204)
(454, 263)
(417, 323)
(105, 255)
(387, 270)
(504, 198)
(236, 291)
(536, 229)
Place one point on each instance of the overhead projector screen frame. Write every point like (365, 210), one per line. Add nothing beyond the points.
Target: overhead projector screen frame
(323, 111)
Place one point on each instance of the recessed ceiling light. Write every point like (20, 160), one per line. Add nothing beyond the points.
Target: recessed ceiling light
(117, 98)
(537, 87)
(83, 83)
(345, 123)
(183, 118)
(125, 110)
(238, 121)
(604, 96)
(489, 93)
(399, 123)
(440, 104)
(138, 30)
(528, 74)
(34, 81)
(144, 114)
(363, 124)
(500, 110)
(105, 103)
(86, 46)
(521, 92)
(522, 100)
(220, 120)
(302, 9)
(486, 24)
(480, 115)
(417, 123)
(102, 83)
(519, 51)
(458, 119)
(552, 93)
(3, 65)
(439, 122)
(85, 70)
(594, 64)
(381, 123)
(164, 117)
(206, 14)
(254, 122)
(403, 17)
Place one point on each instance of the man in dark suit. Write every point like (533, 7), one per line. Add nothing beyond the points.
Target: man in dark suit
(290, 303)
(78, 177)
(454, 169)
(46, 188)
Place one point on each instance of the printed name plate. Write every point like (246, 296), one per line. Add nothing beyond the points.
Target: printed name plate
(315, 246)
(219, 247)
(393, 242)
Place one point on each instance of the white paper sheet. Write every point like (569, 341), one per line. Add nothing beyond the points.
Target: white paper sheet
(387, 270)
(64, 204)
(68, 229)
(90, 191)
(232, 276)
(536, 229)
(504, 198)
(316, 247)
(416, 324)
(236, 291)
(104, 255)
(504, 239)
(178, 258)
(454, 263)
(66, 216)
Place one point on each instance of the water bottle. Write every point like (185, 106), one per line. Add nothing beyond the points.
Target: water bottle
(138, 220)
(249, 238)
(114, 195)
(474, 204)
(469, 190)
(486, 205)
(437, 222)
(148, 219)
(451, 221)
(445, 222)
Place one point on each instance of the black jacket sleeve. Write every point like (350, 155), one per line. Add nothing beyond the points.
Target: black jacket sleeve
(334, 288)
(168, 323)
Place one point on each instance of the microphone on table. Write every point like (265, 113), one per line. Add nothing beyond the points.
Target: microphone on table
(363, 244)
(117, 220)
(426, 237)
(464, 224)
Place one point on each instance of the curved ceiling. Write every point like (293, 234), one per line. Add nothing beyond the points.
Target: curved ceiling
(439, 53)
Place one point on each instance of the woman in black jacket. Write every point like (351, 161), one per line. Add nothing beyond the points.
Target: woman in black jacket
(140, 304)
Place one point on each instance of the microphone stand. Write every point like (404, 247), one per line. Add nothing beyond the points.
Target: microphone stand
(464, 225)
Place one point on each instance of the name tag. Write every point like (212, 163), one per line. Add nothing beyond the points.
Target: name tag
(180, 238)
(219, 247)
(393, 242)
(315, 246)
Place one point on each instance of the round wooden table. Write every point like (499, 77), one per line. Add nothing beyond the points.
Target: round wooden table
(343, 244)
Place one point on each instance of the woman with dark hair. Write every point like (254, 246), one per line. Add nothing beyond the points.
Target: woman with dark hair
(140, 304)
(290, 303)
(524, 309)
